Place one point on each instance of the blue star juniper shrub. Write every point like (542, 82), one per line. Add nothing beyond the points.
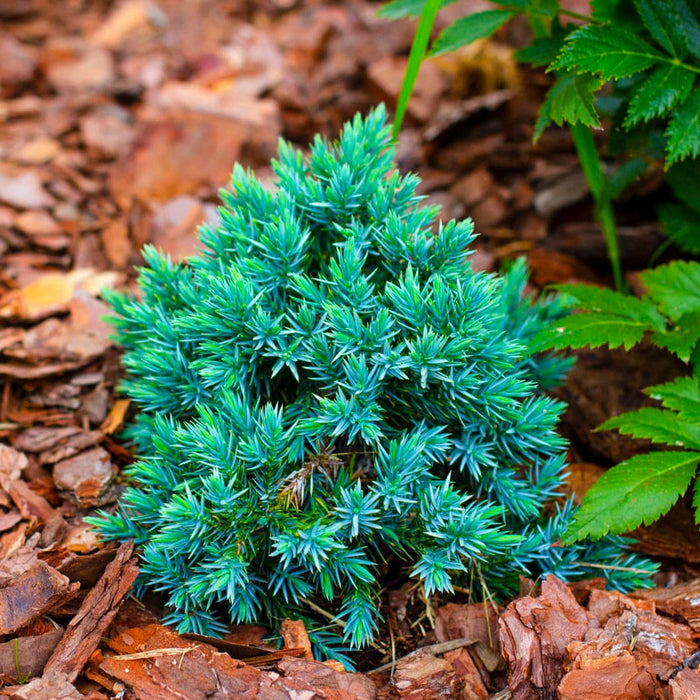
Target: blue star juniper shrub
(329, 387)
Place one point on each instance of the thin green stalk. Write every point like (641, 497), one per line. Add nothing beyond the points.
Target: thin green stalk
(415, 59)
(597, 184)
(21, 678)
(659, 252)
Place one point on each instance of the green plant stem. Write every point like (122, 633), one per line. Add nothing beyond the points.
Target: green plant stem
(597, 184)
(659, 252)
(21, 678)
(415, 58)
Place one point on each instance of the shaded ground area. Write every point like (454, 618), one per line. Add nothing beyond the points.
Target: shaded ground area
(120, 123)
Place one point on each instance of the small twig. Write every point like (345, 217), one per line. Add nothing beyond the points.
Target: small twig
(393, 651)
(438, 648)
(418, 620)
(502, 695)
(614, 568)
(325, 613)
(494, 605)
(153, 653)
(462, 589)
(334, 619)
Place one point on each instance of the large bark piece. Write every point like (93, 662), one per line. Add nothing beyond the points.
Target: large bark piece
(534, 635)
(54, 687)
(95, 615)
(27, 596)
(155, 662)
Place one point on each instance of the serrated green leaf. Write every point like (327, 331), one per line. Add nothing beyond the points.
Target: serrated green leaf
(593, 298)
(696, 502)
(663, 21)
(682, 395)
(466, 30)
(682, 337)
(637, 491)
(614, 319)
(667, 86)
(607, 52)
(658, 425)
(683, 133)
(681, 225)
(683, 179)
(569, 100)
(593, 330)
(675, 287)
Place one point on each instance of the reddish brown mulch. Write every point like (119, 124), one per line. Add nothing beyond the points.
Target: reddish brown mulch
(120, 122)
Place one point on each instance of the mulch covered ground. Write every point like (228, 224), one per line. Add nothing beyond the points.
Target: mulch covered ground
(120, 122)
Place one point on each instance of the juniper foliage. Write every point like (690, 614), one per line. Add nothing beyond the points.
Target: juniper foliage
(328, 388)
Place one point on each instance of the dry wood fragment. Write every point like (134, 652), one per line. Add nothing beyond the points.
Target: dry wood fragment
(23, 189)
(84, 568)
(12, 462)
(28, 589)
(85, 477)
(464, 666)
(686, 685)
(534, 635)
(295, 636)
(12, 541)
(680, 601)
(327, 681)
(29, 503)
(422, 676)
(198, 672)
(9, 520)
(471, 621)
(95, 615)
(617, 676)
(70, 446)
(42, 439)
(115, 418)
(30, 653)
(55, 687)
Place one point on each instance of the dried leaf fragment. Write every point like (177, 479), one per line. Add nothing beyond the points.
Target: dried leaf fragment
(51, 293)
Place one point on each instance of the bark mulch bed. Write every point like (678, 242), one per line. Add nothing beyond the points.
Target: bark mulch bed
(119, 123)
